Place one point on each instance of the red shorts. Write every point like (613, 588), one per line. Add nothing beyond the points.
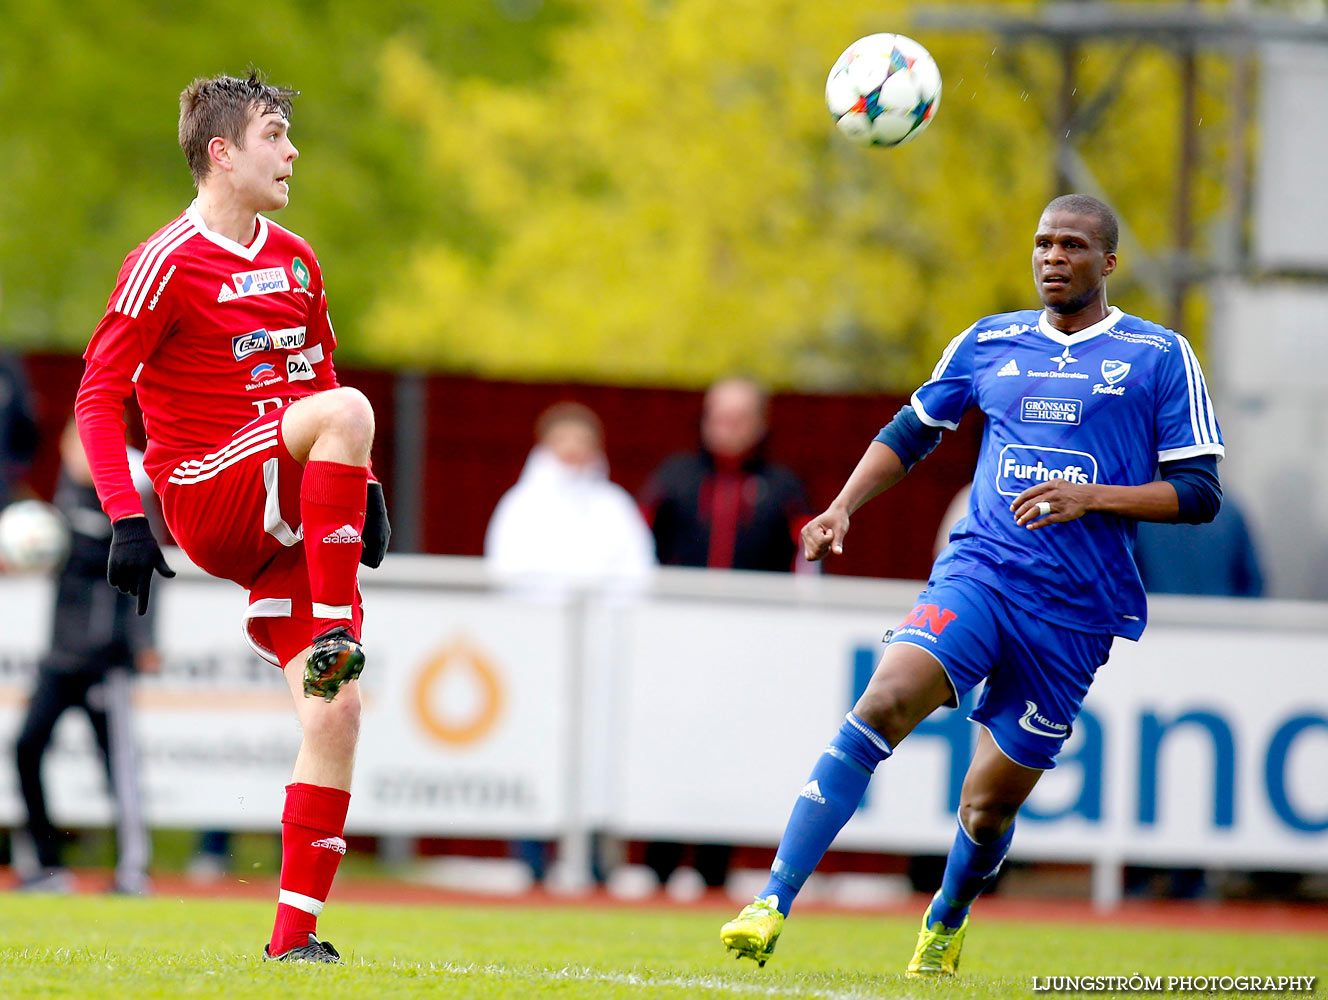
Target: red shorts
(236, 513)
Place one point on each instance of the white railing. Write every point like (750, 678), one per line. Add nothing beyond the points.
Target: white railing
(694, 709)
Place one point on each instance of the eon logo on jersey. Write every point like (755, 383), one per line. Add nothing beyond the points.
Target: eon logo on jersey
(267, 340)
(1020, 466)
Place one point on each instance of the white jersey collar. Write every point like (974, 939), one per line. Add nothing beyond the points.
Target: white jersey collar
(1070, 339)
(225, 242)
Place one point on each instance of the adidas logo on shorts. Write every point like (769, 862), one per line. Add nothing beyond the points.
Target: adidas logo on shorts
(345, 535)
(332, 844)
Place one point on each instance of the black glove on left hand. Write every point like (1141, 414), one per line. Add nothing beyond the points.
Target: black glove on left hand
(377, 530)
(135, 556)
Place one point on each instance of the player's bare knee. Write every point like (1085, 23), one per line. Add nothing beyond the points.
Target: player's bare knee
(885, 708)
(334, 721)
(353, 416)
(986, 820)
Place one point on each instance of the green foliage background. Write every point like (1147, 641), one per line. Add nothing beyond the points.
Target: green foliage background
(636, 191)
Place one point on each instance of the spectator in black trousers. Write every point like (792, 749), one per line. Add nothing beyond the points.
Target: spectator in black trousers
(724, 506)
(97, 642)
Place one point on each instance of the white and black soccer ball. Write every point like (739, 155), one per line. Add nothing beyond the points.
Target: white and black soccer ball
(34, 537)
(884, 90)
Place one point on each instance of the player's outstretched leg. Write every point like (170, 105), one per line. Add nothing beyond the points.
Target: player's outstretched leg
(827, 801)
(994, 788)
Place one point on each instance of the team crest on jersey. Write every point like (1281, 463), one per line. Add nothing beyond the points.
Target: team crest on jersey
(1113, 372)
(300, 271)
(263, 282)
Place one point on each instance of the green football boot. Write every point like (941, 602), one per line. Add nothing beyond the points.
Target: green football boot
(754, 931)
(937, 953)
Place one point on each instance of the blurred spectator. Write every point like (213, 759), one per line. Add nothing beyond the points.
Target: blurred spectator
(1217, 559)
(954, 513)
(564, 525)
(725, 506)
(97, 641)
(18, 426)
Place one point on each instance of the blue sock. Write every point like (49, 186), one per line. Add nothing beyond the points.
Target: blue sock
(826, 803)
(969, 869)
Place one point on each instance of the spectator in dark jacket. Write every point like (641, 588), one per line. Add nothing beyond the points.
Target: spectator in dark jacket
(18, 426)
(97, 641)
(726, 506)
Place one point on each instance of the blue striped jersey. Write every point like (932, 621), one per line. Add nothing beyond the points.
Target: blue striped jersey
(1104, 405)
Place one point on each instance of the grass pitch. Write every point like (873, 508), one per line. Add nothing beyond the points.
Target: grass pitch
(100, 946)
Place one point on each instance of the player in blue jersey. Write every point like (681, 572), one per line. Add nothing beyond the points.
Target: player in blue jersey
(1095, 420)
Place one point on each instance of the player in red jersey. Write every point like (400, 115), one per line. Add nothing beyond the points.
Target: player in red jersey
(219, 325)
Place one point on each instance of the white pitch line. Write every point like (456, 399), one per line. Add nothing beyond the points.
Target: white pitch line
(714, 983)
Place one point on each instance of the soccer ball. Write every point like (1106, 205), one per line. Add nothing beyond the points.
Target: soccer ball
(884, 90)
(34, 537)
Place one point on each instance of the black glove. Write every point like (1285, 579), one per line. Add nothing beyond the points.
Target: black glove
(377, 530)
(134, 556)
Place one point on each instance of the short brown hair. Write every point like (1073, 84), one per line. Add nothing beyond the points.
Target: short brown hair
(568, 413)
(221, 106)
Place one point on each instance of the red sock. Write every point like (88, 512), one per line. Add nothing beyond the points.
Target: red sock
(311, 849)
(332, 499)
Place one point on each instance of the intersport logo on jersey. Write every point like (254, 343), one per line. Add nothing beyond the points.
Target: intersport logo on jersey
(267, 340)
(1020, 466)
(263, 282)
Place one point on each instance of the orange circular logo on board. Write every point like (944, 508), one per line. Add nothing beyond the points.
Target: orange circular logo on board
(458, 655)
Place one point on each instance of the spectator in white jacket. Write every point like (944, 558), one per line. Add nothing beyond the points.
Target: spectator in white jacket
(564, 524)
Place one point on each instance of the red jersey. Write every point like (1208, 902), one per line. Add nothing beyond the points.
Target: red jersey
(210, 334)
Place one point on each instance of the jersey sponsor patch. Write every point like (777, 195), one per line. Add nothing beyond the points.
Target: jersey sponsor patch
(262, 282)
(262, 375)
(1035, 722)
(1013, 330)
(267, 340)
(1023, 465)
(1050, 410)
(298, 368)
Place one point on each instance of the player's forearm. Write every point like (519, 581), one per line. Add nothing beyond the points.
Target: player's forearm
(99, 412)
(877, 470)
(1156, 501)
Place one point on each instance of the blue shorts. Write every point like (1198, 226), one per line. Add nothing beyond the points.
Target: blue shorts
(1037, 672)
